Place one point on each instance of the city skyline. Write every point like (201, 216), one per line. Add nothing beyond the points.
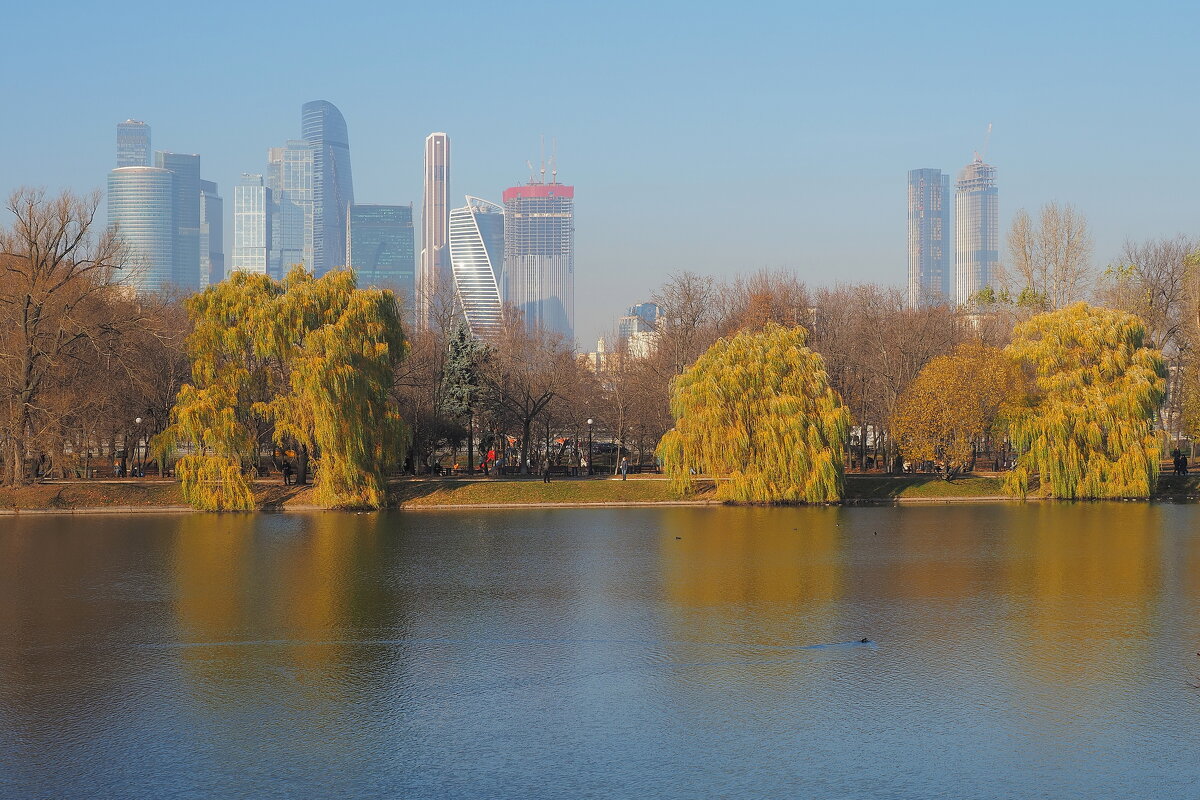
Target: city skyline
(648, 150)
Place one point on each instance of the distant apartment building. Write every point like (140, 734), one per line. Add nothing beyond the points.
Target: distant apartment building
(929, 236)
(380, 248)
(477, 262)
(290, 179)
(185, 213)
(434, 271)
(133, 144)
(251, 225)
(324, 128)
(212, 235)
(977, 230)
(141, 212)
(539, 255)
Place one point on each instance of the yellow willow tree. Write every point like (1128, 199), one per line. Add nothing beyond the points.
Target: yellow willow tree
(341, 345)
(953, 405)
(312, 355)
(756, 413)
(1086, 428)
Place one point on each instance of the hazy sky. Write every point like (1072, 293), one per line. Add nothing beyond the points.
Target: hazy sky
(710, 137)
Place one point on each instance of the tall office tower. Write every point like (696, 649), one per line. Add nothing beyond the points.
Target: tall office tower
(212, 235)
(185, 171)
(477, 263)
(642, 318)
(251, 225)
(539, 255)
(379, 246)
(290, 179)
(323, 127)
(977, 229)
(133, 144)
(434, 269)
(928, 237)
(139, 207)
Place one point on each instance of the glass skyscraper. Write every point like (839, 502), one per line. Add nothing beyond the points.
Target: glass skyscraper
(212, 235)
(140, 209)
(185, 203)
(380, 248)
(928, 237)
(539, 255)
(323, 127)
(251, 225)
(477, 259)
(290, 178)
(133, 144)
(434, 270)
(977, 230)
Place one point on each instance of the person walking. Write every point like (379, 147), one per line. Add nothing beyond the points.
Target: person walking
(546, 471)
(287, 473)
(624, 468)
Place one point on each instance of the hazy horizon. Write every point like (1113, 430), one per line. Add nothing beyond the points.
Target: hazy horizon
(718, 141)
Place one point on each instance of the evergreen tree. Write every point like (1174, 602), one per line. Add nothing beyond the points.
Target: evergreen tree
(1086, 428)
(460, 382)
(756, 412)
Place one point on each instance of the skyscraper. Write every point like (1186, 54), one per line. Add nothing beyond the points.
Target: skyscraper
(185, 209)
(977, 229)
(477, 258)
(434, 269)
(133, 144)
(290, 179)
(539, 255)
(212, 235)
(251, 225)
(323, 127)
(380, 248)
(139, 208)
(928, 237)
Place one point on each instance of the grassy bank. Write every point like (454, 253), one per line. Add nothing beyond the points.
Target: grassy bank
(418, 493)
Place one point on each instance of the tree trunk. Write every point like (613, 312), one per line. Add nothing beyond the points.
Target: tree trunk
(301, 465)
(526, 424)
(471, 444)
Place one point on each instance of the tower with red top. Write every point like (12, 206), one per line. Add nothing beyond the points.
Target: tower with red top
(539, 255)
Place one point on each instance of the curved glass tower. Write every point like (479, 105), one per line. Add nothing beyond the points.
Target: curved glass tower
(140, 208)
(323, 127)
(477, 260)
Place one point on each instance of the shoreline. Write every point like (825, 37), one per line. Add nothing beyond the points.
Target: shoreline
(154, 496)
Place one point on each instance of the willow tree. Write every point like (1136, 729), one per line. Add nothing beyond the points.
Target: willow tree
(1086, 428)
(756, 413)
(339, 345)
(312, 356)
(953, 406)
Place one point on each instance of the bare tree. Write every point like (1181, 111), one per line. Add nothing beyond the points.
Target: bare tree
(60, 310)
(1052, 257)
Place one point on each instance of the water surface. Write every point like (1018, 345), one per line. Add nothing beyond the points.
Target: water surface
(1017, 651)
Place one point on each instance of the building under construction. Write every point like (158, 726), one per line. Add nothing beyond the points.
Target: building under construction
(539, 255)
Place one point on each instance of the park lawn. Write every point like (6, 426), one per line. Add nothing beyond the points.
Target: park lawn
(92, 494)
(410, 494)
(872, 487)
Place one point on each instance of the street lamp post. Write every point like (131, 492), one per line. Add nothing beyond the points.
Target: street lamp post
(138, 468)
(589, 446)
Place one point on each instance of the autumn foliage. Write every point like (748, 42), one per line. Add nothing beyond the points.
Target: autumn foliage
(312, 356)
(952, 406)
(1086, 429)
(757, 414)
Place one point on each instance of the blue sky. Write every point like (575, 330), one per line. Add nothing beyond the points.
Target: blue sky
(715, 137)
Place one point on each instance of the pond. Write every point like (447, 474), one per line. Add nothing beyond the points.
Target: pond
(1040, 650)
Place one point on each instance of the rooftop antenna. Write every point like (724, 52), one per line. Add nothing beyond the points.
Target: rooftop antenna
(554, 160)
(543, 158)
